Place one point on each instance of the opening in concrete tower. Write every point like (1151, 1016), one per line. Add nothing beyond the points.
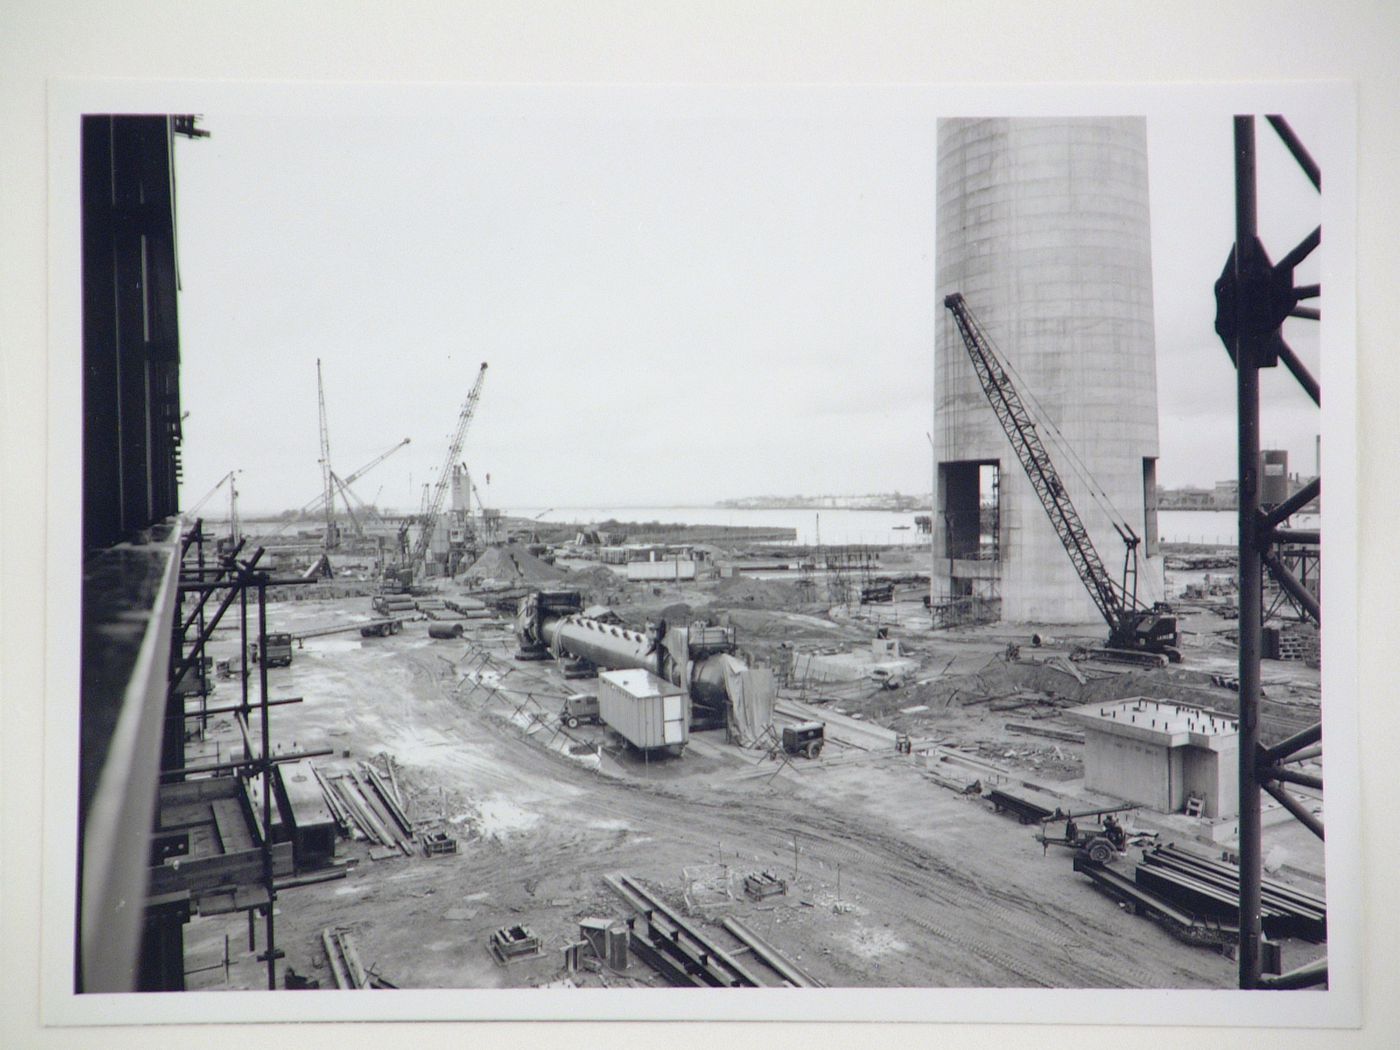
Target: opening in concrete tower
(969, 505)
(1149, 506)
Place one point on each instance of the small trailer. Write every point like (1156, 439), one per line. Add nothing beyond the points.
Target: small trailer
(1101, 843)
(381, 628)
(1026, 811)
(648, 712)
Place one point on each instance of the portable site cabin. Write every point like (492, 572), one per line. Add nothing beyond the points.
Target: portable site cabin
(647, 711)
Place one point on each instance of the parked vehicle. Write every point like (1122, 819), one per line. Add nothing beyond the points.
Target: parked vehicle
(580, 708)
(804, 738)
(279, 650)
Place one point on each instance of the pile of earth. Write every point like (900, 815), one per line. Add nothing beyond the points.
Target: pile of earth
(510, 566)
(598, 584)
(762, 594)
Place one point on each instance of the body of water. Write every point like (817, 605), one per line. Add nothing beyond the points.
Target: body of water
(1213, 526)
(874, 527)
(838, 527)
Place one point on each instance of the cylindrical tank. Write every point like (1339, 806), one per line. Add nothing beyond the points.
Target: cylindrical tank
(617, 647)
(1043, 227)
(607, 645)
(1273, 476)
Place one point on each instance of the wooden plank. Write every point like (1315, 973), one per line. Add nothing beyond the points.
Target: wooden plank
(204, 841)
(197, 789)
(207, 873)
(232, 826)
(333, 959)
(350, 791)
(382, 813)
(400, 818)
(358, 976)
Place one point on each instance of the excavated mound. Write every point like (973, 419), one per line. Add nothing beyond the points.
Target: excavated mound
(763, 594)
(597, 578)
(511, 565)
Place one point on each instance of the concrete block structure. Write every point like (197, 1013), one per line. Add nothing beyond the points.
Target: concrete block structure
(1161, 753)
(1043, 227)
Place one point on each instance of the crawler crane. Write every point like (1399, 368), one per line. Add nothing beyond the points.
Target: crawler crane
(1135, 630)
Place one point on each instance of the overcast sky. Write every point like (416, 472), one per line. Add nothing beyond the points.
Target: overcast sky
(683, 295)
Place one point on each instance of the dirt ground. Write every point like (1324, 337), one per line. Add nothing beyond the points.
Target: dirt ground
(894, 879)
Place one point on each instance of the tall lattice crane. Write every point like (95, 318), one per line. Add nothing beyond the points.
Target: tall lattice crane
(1131, 625)
(428, 518)
(327, 484)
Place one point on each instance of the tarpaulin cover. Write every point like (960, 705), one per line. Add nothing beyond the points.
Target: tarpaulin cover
(751, 692)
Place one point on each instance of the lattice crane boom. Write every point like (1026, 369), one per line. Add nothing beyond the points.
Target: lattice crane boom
(327, 484)
(1020, 430)
(356, 475)
(318, 501)
(428, 520)
(208, 495)
(476, 493)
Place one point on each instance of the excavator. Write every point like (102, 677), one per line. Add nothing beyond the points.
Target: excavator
(1137, 632)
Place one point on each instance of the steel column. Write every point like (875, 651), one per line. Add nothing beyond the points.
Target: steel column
(1250, 568)
(1254, 297)
(266, 767)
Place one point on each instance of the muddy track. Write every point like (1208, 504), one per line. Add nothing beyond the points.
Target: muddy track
(970, 928)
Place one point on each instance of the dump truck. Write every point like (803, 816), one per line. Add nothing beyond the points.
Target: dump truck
(648, 712)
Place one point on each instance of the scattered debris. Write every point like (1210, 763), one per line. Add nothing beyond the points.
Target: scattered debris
(437, 843)
(764, 884)
(512, 943)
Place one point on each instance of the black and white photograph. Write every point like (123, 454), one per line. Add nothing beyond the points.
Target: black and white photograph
(701, 552)
(828, 577)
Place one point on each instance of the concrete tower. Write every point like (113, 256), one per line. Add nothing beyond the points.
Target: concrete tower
(1043, 227)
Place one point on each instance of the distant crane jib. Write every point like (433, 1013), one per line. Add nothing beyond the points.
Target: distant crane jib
(356, 475)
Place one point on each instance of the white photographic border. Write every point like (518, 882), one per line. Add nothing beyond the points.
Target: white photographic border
(1337, 1007)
